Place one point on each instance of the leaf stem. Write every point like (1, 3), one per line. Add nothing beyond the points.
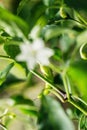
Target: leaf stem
(57, 95)
(59, 91)
(75, 101)
(79, 104)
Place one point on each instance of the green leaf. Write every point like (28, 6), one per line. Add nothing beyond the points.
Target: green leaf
(19, 99)
(18, 71)
(28, 110)
(58, 54)
(52, 116)
(4, 73)
(52, 31)
(48, 2)
(77, 5)
(81, 38)
(2, 39)
(21, 5)
(78, 77)
(12, 48)
(13, 26)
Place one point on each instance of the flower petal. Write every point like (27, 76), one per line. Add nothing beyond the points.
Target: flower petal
(38, 44)
(44, 55)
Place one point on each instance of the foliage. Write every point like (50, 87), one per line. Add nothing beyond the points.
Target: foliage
(44, 41)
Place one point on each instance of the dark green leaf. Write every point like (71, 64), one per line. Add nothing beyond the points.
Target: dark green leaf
(58, 54)
(12, 48)
(3, 74)
(77, 4)
(21, 5)
(48, 2)
(19, 99)
(52, 116)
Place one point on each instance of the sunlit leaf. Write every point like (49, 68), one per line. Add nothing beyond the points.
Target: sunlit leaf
(78, 77)
(19, 71)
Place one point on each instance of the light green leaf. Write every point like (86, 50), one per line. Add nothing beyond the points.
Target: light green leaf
(17, 70)
(81, 38)
(52, 31)
(78, 77)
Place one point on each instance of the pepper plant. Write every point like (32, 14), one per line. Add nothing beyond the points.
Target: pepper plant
(43, 65)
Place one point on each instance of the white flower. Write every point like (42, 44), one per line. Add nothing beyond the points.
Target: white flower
(35, 52)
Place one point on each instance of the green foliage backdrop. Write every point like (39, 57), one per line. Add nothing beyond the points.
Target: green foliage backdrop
(43, 64)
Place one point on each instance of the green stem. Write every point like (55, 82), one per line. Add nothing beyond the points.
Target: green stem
(59, 91)
(58, 21)
(57, 95)
(66, 85)
(3, 127)
(79, 104)
(81, 18)
(80, 119)
(56, 69)
(75, 101)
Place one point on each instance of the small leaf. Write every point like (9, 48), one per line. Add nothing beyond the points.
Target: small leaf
(3, 74)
